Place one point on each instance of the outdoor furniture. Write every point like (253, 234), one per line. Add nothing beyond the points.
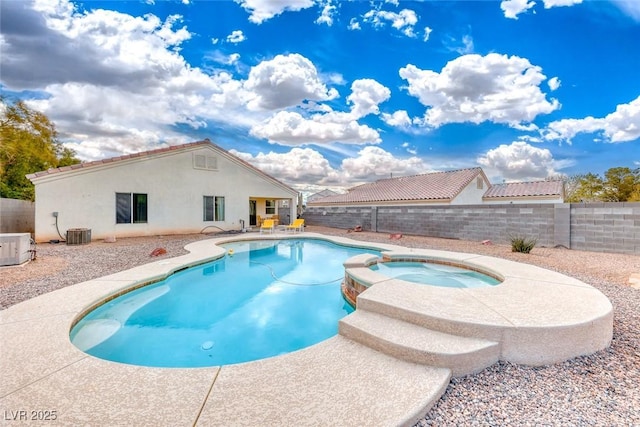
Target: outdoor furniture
(276, 219)
(297, 225)
(267, 225)
(259, 220)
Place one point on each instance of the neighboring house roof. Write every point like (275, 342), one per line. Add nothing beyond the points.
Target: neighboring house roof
(525, 189)
(152, 153)
(437, 186)
(320, 195)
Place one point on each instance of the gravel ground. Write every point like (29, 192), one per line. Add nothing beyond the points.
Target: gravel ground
(602, 389)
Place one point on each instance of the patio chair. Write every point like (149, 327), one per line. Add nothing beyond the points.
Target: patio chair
(267, 225)
(297, 225)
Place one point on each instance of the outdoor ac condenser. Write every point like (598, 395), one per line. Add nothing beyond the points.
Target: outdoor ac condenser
(78, 236)
(15, 248)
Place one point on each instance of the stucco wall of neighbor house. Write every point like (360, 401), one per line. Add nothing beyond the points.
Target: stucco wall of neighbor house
(601, 227)
(471, 194)
(174, 188)
(17, 216)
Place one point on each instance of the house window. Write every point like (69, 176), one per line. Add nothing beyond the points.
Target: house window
(131, 208)
(201, 161)
(213, 208)
(480, 183)
(271, 207)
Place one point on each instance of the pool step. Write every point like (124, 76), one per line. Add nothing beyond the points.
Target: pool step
(421, 308)
(413, 343)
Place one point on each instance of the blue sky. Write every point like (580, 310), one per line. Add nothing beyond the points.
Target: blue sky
(331, 94)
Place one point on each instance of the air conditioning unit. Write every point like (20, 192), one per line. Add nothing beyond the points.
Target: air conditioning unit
(15, 248)
(78, 236)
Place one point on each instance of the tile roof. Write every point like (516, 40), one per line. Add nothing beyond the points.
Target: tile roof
(525, 189)
(85, 165)
(171, 148)
(321, 194)
(432, 186)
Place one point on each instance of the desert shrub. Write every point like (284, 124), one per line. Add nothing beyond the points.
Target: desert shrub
(522, 243)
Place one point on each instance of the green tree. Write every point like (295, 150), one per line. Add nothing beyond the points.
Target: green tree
(28, 144)
(620, 184)
(584, 188)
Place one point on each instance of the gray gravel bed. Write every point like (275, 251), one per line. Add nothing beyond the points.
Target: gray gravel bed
(602, 389)
(60, 265)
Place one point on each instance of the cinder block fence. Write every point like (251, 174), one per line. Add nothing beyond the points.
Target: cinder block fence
(600, 227)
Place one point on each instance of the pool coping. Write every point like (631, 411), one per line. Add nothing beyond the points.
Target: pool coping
(334, 380)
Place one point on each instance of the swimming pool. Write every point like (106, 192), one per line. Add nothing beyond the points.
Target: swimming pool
(434, 274)
(262, 299)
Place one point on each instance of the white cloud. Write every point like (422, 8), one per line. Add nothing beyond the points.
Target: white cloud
(354, 24)
(292, 128)
(622, 125)
(462, 47)
(548, 4)
(236, 36)
(300, 166)
(474, 88)
(410, 149)
(94, 74)
(519, 161)
(554, 83)
(328, 11)
(366, 95)
(222, 58)
(630, 7)
(513, 8)
(285, 81)
(334, 78)
(427, 34)
(101, 90)
(263, 10)
(398, 118)
(404, 21)
(374, 163)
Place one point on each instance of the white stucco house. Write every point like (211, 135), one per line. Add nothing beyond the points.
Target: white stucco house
(174, 190)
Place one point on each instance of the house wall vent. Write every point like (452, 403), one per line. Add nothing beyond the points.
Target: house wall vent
(15, 248)
(78, 236)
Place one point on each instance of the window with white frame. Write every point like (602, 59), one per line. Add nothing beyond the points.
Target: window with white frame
(131, 208)
(213, 208)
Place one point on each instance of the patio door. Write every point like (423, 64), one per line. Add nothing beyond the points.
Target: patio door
(252, 213)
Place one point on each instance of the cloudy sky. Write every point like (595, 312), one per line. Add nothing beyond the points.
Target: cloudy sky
(331, 94)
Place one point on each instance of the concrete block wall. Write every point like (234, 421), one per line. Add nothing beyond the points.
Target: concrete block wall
(600, 227)
(17, 216)
(471, 222)
(340, 217)
(606, 227)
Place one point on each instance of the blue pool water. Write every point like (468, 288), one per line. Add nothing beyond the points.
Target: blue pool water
(426, 273)
(270, 297)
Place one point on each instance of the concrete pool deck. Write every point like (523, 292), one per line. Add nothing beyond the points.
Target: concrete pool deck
(339, 381)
